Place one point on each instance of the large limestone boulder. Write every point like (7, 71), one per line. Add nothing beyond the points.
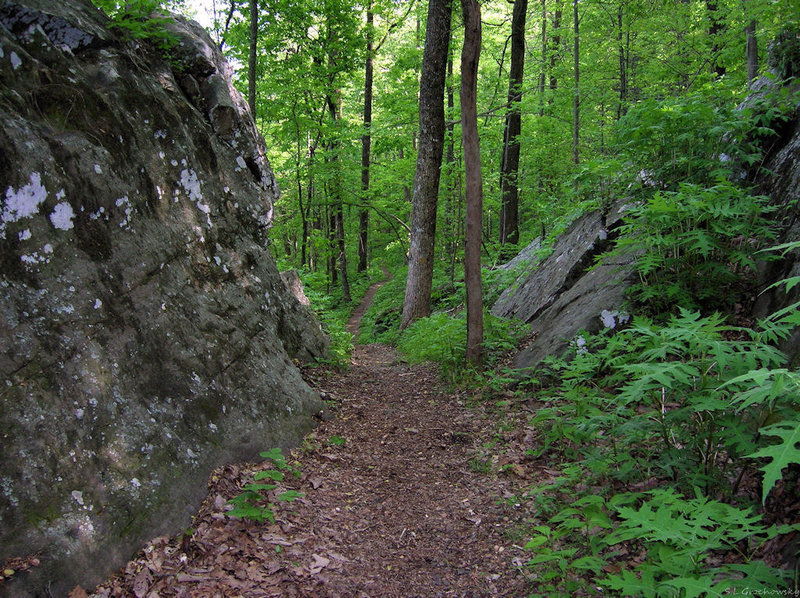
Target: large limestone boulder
(563, 294)
(145, 333)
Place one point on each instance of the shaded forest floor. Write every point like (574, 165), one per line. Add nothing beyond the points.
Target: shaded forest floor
(398, 500)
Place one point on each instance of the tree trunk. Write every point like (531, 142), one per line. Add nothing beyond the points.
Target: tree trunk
(556, 44)
(337, 213)
(509, 165)
(542, 74)
(576, 100)
(366, 143)
(752, 51)
(623, 71)
(453, 211)
(417, 303)
(251, 59)
(715, 29)
(474, 187)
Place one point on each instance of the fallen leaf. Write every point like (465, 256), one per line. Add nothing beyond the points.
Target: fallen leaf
(78, 592)
(142, 583)
(320, 562)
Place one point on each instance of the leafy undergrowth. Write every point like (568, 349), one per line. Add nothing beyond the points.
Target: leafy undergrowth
(669, 455)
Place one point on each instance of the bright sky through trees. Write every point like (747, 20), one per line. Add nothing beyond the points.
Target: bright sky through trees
(201, 11)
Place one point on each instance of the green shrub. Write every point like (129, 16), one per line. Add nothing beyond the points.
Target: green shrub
(140, 19)
(698, 138)
(249, 503)
(694, 247)
(442, 338)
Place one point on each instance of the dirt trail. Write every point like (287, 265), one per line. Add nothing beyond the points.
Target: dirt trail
(392, 505)
(355, 319)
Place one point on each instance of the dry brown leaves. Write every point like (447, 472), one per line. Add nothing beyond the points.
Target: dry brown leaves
(391, 505)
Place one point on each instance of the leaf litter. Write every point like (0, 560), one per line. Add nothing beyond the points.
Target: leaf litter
(393, 507)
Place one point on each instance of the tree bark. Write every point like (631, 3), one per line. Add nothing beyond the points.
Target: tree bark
(366, 145)
(417, 302)
(542, 74)
(752, 51)
(453, 210)
(576, 100)
(556, 44)
(715, 29)
(252, 58)
(509, 165)
(470, 55)
(337, 215)
(623, 63)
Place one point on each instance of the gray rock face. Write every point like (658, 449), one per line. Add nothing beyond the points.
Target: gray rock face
(145, 334)
(782, 183)
(292, 281)
(560, 296)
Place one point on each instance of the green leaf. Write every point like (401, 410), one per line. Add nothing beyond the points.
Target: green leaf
(536, 541)
(269, 475)
(290, 495)
(628, 584)
(692, 587)
(276, 456)
(252, 512)
(781, 455)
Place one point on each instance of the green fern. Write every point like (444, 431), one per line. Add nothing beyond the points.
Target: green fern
(782, 454)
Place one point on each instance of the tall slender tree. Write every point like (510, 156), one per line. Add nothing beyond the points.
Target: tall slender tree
(417, 302)
(470, 55)
(509, 165)
(751, 51)
(366, 144)
(576, 98)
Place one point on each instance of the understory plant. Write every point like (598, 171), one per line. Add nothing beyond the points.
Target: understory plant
(141, 19)
(253, 501)
(695, 246)
(679, 413)
(442, 338)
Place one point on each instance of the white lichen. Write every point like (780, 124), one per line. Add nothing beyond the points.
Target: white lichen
(23, 202)
(62, 216)
(124, 203)
(191, 184)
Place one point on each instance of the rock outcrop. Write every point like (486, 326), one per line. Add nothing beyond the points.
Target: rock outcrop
(563, 294)
(780, 180)
(146, 336)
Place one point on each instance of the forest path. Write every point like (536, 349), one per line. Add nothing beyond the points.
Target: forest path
(397, 501)
(355, 319)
